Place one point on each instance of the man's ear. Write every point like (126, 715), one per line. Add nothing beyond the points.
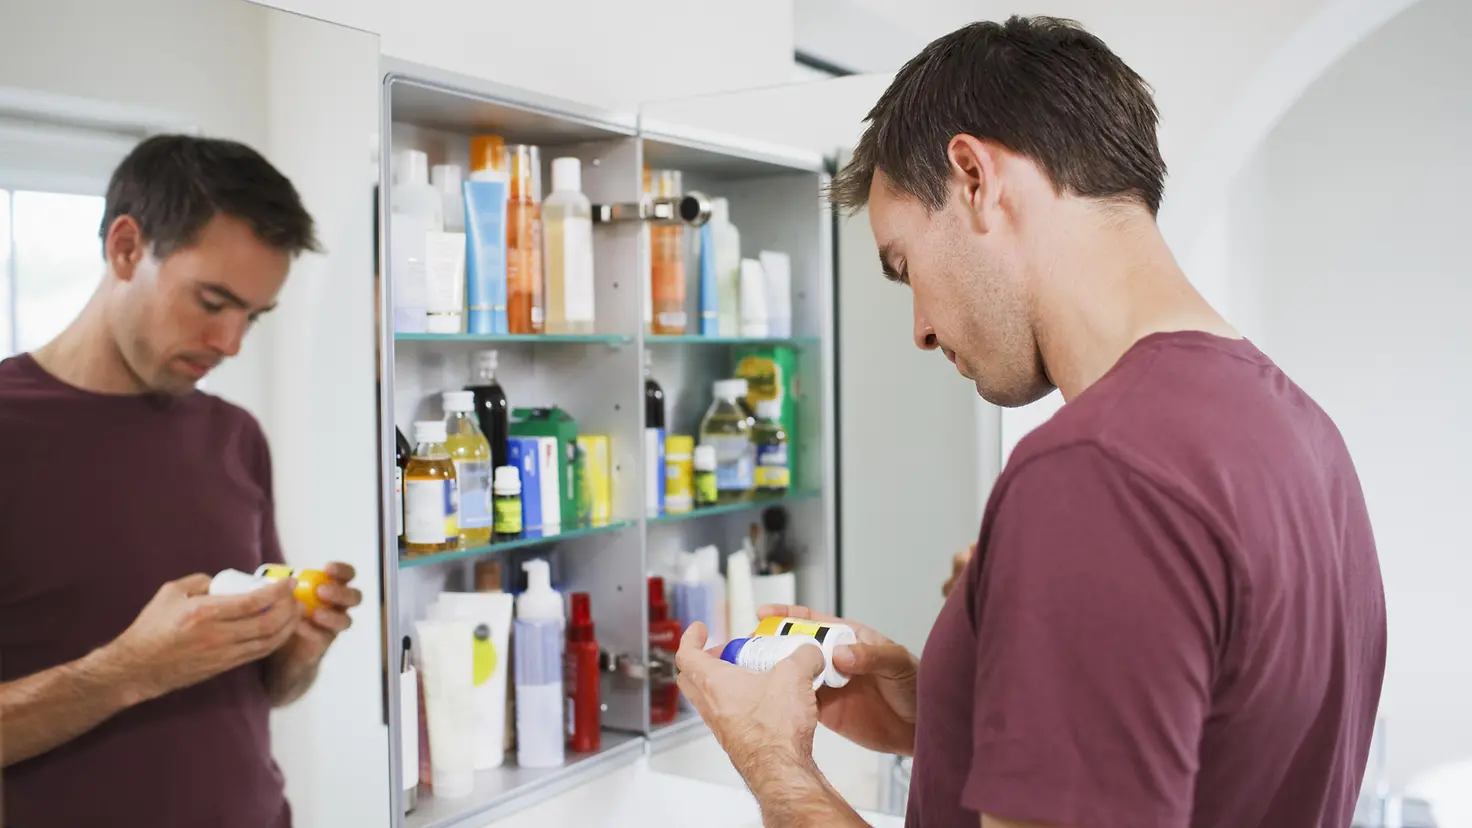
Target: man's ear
(124, 247)
(973, 163)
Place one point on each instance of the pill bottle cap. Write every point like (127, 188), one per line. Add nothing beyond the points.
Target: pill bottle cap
(429, 431)
(507, 481)
(730, 390)
(705, 458)
(678, 444)
(459, 401)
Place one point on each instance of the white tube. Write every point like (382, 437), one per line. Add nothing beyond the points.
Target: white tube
(409, 730)
(445, 650)
(490, 615)
(740, 605)
(445, 282)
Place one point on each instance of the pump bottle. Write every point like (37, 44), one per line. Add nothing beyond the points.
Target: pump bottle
(580, 664)
(540, 735)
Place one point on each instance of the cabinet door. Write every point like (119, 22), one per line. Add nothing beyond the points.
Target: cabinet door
(915, 450)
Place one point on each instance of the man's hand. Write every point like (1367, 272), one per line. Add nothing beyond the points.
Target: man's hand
(958, 565)
(876, 709)
(185, 636)
(293, 669)
(765, 723)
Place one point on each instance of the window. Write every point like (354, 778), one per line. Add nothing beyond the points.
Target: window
(53, 174)
(54, 262)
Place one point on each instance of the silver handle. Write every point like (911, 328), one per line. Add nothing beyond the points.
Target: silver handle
(692, 208)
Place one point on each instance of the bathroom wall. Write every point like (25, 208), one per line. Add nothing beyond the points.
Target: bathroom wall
(1344, 242)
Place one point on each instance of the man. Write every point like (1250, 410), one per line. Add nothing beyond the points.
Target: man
(1174, 616)
(127, 690)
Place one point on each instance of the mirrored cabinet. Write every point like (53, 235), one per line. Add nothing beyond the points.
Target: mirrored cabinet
(620, 378)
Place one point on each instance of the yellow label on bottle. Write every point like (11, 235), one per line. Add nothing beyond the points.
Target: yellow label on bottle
(508, 516)
(772, 477)
(792, 626)
(705, 488)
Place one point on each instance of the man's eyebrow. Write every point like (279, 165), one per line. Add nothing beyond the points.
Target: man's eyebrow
(228, 297)
(884, 265)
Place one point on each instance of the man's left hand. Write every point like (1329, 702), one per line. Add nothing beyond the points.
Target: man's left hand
(762, 720)
(321, 625)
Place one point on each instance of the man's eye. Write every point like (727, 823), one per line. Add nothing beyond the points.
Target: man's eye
(210, 307)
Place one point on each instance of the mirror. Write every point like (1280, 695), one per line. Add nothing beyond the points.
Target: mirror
(81, 84)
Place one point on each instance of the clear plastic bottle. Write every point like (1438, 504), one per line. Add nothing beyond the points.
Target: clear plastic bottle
(728, 432)
(667, 260)
(525, 302)
(567, 226)
(726, 240)
(773, 475)
(471, 453)
(431, 493)
(418, 210)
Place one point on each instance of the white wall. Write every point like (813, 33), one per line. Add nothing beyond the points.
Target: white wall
(613, 55)
(1349, 266)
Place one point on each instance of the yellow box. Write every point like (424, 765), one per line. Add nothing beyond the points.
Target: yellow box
(599, 480)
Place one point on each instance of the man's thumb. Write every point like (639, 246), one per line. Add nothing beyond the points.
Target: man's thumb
(885, 660)
(808, 660)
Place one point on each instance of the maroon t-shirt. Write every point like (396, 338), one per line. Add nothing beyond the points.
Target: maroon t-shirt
(102, 500)
(1175, 616)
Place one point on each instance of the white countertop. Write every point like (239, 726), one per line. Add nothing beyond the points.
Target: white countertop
(694, 785)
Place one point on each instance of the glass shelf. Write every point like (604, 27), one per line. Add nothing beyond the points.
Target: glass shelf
(754, 504)
(561, 339)
(495, 789)
(793, 342)
(532, 537)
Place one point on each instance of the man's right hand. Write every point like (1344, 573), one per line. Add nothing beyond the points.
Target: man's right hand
(876, 709)
(185, 636)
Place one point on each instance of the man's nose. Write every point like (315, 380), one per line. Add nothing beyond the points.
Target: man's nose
(227, 334)
(924, 334)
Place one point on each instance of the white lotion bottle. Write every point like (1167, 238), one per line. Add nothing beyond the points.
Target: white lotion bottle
(540, 702)
(777, 267)
(726, 244)
(567, 234)
(417, 211)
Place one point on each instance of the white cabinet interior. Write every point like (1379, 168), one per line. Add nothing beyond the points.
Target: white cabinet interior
(776, 200)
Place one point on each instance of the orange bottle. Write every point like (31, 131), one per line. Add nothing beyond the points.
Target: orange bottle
(526, 307)
(666, 259)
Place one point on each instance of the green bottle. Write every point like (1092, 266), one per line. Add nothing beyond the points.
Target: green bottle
(773, 474)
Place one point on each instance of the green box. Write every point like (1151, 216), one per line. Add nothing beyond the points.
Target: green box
(556, 423)
(772, 373)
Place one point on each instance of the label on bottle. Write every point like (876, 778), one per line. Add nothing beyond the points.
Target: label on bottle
(705, 488)
(431, 511)
(654, 459)
(679, 495)
(771, 466)
(538, 316)
(474, 478)
(734, 463)
(577, 269)
(508, 515)
(398, 502)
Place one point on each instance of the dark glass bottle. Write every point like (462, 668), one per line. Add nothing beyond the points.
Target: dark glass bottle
(402, 452)
(491, 410)
(653, 398)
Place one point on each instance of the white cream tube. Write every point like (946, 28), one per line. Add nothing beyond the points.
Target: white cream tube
(445, 650)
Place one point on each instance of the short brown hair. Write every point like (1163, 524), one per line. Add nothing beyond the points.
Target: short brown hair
(1043, 87)
(172, 185)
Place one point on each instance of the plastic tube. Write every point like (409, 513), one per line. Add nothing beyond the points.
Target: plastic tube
(445, 648)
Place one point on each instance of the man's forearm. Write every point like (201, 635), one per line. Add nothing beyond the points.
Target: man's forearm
(793, 794)
(287, 679)
(50, 708)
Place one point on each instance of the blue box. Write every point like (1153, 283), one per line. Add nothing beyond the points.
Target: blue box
(522, 454)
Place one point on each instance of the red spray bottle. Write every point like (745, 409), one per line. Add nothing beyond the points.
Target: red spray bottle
(664, 640)
(580, 669)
